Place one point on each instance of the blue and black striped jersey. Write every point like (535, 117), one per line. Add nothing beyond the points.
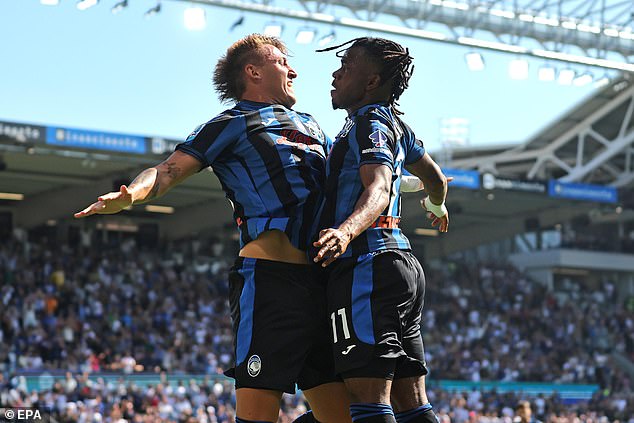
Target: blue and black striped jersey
(271, 162)
(372, 134)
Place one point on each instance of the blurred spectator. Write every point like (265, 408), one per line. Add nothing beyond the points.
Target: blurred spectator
(93, 401)
(116, 307)
(524, 414)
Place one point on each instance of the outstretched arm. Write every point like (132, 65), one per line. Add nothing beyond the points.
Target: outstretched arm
(149, 184)
(377, 181)
(435, 184)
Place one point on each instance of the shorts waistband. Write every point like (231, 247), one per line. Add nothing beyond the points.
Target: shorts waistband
(273, 264)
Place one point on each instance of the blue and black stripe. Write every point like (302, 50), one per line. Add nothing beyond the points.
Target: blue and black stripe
(372, 135)
(361, 412)
(271, 163)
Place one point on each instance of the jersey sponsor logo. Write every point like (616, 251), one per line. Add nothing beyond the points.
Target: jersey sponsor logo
(254, 365)
(298, 140)
(378, 138)
(348, 349)
(268, 121)
(377, 150)
(297, 137)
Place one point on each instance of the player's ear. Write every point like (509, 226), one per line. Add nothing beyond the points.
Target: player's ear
(252, 71)
(374, 81)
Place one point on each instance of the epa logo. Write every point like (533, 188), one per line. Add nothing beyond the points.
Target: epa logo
(22, 414)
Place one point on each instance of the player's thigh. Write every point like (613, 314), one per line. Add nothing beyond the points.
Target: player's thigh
(408, 393)
(330, 402)
(258, 404)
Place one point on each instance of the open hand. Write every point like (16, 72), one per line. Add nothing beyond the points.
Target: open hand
(110, 203)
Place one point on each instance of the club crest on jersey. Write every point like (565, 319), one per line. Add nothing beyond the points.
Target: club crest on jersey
(378, 138)
(314, 130)
(300, 125)
(254, 365)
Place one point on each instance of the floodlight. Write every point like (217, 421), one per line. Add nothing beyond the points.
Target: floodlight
(474, 60)
(518, 69)
(194, 18)
(86, 4)
(305, 35)
(273, 29)
(583, 79)
(546, 73)
(327, 39)
(602, 82)
(566, 76)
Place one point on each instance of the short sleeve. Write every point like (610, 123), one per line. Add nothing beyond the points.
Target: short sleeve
(209, 140)
(414, 148)
(373, 141)
(415, 151)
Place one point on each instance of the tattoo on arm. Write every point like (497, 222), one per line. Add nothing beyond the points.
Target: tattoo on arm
(173, 171)
(156, 181)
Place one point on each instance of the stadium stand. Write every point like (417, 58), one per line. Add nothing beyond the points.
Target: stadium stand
(93, 314)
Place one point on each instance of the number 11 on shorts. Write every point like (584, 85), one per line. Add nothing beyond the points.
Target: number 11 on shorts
(344, 323)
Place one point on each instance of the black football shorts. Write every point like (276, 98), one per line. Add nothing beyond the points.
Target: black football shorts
(280, 327)
(375, 303)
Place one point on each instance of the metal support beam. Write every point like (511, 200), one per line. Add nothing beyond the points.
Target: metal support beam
(600, 46)
(581, 148)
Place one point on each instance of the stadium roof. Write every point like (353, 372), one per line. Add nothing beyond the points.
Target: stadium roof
(592, 143)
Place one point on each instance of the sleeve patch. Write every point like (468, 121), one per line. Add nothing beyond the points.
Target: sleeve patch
(195, 132)
(379, 139)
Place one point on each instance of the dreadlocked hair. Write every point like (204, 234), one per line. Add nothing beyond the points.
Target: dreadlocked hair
(228, 76)
(394, 62)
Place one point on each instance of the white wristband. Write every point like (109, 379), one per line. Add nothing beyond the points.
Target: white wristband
(437, 210)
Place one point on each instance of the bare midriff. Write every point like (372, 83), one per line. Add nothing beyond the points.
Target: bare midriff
(274, 245)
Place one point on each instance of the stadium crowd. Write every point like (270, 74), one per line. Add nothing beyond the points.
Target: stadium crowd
(492, 323)
(78, 398)
(109, 305)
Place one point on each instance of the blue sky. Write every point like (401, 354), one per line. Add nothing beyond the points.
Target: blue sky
(124, 73)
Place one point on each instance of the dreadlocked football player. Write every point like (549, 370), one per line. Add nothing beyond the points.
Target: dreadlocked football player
(376, 286)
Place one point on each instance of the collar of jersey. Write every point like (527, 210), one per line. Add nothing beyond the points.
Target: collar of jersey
(361, 110)
(254, 105)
